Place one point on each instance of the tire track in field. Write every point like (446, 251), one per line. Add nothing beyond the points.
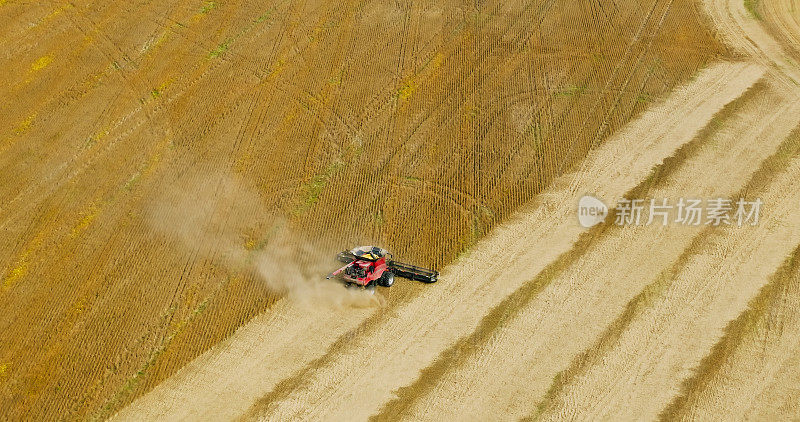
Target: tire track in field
(636, 37)
(519, 41)
(783, 20)
(637, 368)
(133, 82)
(479, 379)
(450, 90)
(65, 200)
(421, 329)
(79, 162)
(629, 51)
(259, 104)
(745, 34)
(76, 157)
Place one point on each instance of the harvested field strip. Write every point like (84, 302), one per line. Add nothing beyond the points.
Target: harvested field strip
(222, 398)
(453, 309)
(685, 310)
(751, 359)
(573, 296)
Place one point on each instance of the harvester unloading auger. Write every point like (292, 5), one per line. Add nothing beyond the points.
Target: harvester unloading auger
(368, 266)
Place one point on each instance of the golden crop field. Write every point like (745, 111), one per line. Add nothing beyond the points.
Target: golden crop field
(176, 177)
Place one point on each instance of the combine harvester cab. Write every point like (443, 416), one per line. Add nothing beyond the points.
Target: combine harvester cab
(367, 266)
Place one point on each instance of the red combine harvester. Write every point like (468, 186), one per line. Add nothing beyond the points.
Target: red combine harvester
(368, 266)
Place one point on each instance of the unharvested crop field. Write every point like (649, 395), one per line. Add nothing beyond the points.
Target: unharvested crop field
(175, 177)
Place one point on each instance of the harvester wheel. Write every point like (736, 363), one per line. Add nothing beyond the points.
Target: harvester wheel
(387, 279)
